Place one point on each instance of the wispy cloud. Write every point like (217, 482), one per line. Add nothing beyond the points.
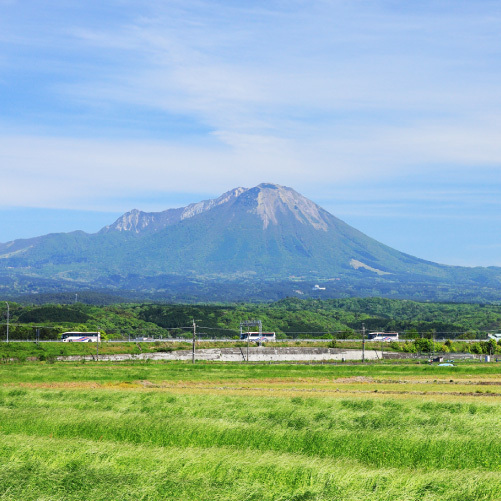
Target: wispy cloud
(60, 172)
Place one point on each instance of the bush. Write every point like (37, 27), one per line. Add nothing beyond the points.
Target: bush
(476, 348)
(164, 349)
(491, 346)
(409, 347)
(423, 345)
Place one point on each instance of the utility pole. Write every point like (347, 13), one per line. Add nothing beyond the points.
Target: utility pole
(97, 346)
(433, 340)
(248, 323)
(241, 338)
(7, 320)
(363, 342)
(194, 339)
(248, 341)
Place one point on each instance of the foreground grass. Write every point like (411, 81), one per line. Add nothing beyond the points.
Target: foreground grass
(172, 431)
(68, 469)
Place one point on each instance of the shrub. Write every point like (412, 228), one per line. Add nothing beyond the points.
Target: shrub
(491, 346)
(423, 344)
(164, 349)
(409, 347)
(476, 348)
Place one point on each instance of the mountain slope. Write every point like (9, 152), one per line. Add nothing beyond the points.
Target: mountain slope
(266, 233)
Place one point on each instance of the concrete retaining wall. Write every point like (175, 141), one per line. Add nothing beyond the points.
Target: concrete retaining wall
(256, 354)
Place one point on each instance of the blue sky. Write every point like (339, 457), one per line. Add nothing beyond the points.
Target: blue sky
(385, 113)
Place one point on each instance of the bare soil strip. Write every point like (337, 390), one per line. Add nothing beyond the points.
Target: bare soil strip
(336, 389)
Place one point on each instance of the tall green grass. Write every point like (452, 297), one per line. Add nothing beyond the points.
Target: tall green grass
(182, 371)
(100, 443)
(381, 433)
(75, 469)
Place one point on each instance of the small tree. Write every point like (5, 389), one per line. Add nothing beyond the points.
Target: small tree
(409, 347)
(476, 348)
(395, 346)
(423, 345)
(332, 344)
(492, 346)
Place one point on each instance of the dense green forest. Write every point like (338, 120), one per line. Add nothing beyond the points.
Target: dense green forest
(289, 318)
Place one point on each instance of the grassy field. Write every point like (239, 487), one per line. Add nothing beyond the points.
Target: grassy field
(144, 430)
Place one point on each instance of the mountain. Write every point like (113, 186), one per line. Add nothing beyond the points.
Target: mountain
(267, 241)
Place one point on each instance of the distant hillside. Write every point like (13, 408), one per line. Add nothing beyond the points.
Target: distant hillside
(268, 241)
(341, 318)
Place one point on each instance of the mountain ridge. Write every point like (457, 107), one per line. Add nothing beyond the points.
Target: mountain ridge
(137, 221)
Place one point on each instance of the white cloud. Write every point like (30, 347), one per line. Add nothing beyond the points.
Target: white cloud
(302, 93)
(58, 172)
(343, 61)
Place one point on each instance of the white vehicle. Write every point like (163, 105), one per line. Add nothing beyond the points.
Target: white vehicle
(383, 336)
(496, 337)
(81, 337)
(257, 337)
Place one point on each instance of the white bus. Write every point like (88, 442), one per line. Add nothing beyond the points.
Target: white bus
(258, 338)
(383, 336)
(81, 337)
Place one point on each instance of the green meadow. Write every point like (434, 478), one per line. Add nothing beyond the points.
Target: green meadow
(147, 430)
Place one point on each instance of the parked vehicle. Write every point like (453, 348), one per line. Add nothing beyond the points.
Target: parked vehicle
(258, 337)
(81, 337)
(383, 336)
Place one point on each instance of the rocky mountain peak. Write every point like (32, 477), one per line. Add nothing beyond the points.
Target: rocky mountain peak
(134, 221)
(270, 202)
(137, 221)
(274, 200)
(197, 208)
